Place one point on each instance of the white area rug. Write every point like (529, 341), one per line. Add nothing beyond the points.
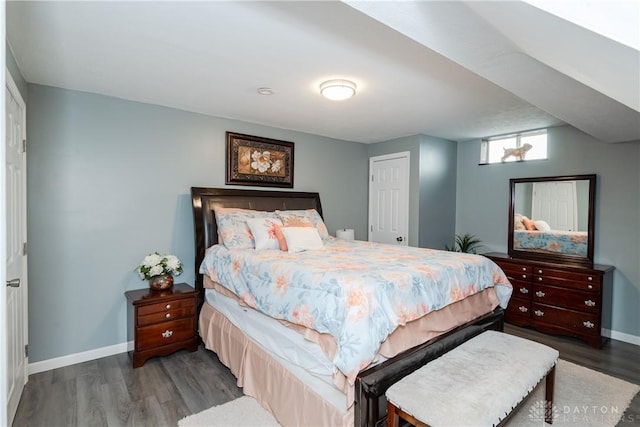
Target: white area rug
(583, 398)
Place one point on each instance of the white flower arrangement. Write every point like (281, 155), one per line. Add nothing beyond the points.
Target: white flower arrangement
(155, 265)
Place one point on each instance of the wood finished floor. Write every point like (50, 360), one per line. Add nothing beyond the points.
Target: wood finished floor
(109, 392)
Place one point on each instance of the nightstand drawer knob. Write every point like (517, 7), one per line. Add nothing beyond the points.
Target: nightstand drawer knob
(590, 303)
(524, 290)
(539, 313)
(168, 306)
(540, 294)
(167, 333)
(167, 316)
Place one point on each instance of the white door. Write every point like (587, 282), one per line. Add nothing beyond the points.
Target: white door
(556, 203)
(389, 199)
(16, 262)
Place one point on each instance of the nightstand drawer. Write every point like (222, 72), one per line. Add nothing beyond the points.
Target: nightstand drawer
(164, 333)
(167, 306)
(162, 316)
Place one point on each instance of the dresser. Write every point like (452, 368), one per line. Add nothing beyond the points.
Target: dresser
(556, 298)
(161, 321)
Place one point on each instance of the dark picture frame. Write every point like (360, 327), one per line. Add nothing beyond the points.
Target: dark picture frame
(264, 162)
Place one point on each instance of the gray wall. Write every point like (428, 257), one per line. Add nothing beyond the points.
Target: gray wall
(483, 195)
(108, 183)
(437, 192)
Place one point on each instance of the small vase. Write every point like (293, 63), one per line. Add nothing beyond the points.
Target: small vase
(162, 281)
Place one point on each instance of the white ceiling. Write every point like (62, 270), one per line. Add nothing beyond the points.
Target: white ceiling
(454, 70)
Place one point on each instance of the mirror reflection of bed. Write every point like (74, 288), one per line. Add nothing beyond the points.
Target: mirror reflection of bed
(550, 216)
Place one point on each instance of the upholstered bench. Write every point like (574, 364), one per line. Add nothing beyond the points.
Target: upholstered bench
(478, 383)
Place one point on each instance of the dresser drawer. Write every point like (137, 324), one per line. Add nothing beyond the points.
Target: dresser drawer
(569, 298)
(519, 307)
(164, 333)
(166, 306)
(521, 289)
(174, 313)
(516, 272)
(583, 322)
(569, 279)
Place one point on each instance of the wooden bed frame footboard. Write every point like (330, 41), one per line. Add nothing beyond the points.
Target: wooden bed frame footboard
(371, 384)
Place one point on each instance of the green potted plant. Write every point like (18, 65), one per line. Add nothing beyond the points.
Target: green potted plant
(467, 243)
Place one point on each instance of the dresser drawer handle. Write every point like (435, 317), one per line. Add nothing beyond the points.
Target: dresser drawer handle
(540, 294)
(524, 276)
(539, 271)
(539, 313)
(590, 278)
(524, 290)
(590, 303)
(167, 333)
(524, 268)
(523, 309)
(589, 324)
(589, 286)
(168, 306)
(167, 316)
(539, 279)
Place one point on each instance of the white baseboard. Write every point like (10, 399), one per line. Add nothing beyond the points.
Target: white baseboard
(85, 356)
(621, 336)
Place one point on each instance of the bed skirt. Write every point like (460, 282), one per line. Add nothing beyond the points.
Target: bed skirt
(261, 376)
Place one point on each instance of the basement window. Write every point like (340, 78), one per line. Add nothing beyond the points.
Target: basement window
(517, 147)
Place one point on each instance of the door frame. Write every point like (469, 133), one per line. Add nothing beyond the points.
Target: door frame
(13, 88)
(402, 154)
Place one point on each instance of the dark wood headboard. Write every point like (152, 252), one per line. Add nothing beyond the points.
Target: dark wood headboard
(204, 200)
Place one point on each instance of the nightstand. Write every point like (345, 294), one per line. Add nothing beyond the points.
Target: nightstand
(161, 321)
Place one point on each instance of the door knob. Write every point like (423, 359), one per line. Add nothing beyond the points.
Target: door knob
(13, 283)
(399, 239)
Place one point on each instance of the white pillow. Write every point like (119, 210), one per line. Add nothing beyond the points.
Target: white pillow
(541, 225)
(264, 234)
(302, 239)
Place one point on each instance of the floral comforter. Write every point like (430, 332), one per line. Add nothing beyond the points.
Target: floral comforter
(359, 292)
(565, 242)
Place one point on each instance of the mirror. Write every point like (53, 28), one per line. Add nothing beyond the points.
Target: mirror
(552, 218)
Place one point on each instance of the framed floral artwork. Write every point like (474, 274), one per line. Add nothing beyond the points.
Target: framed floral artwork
(253, 160)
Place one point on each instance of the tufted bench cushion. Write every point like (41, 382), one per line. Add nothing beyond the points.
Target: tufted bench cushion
(478, 383)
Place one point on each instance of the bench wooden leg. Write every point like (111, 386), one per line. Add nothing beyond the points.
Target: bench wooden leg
(548, 395)
(392, 415)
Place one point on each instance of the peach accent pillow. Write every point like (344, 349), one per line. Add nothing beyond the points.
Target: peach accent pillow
(529, 224)
(295, 217)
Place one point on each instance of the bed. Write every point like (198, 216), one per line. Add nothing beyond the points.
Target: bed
(289, 378)
(552, 241)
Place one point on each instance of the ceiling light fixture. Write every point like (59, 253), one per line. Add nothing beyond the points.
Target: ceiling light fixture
(265, 91)
(338, 90)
